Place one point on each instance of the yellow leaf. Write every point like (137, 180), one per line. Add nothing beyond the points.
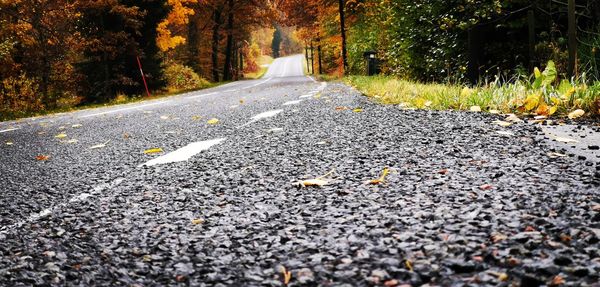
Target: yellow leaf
(502, 277)
(313, 182)
(153, 150)
(552, 110)
(475, 109)
(287, 275)
(358, 110)
(241, 101)
(195, 118)
(542, 110)
(576, 114)
(381, 179)
(60, 136)
(197, 221)
(213, 121)
(409, 265)
(531, 102)
(537, 72)
(502, 123)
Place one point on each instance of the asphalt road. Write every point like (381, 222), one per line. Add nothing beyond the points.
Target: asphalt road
(465, 201)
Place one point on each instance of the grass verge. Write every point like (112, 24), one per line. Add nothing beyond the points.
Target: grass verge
(540, 96)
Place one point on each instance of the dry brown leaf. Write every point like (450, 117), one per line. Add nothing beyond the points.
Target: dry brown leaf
(497, 237)
(557, 280)
(341, 108)
(576, 114)
(408, 265)
(513, 118)
(486, 187)
(287, 275)
(42, 157)
(197, 221)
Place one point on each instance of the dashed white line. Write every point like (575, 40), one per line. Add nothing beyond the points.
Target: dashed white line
(203, 95)
(292, 103)
(123, 109)
(184, 153)
(49, 211)
(255, 85)
(261, 116)
(9, 130)
(306, 96)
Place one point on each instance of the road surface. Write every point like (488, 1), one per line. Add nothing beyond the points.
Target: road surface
(84, 201)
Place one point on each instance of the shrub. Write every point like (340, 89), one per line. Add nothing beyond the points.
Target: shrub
(19, 97)
(181, 78)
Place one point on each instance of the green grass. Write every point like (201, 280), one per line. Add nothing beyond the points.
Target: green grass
(519, 97)
(262, 60)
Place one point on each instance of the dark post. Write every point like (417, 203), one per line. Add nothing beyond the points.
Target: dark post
(319, 51)
(531, 22)
(312, 57)
(572, 68)
(307, 63)
(474, 51)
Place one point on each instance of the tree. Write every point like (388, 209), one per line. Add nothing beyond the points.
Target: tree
(276, 43)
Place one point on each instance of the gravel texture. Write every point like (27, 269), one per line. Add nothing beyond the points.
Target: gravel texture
(462, 205)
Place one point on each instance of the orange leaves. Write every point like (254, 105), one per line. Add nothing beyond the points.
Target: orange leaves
(178, 16)
(42, 157)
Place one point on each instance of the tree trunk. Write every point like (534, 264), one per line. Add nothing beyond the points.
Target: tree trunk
(215, 43)
(227, 69)
(343, 31)
(319, 52)
(474, 50)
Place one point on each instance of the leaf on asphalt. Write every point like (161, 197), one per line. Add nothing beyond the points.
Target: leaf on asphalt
(408, 265)
(197, 221)
(513, 118)
(358, 110)
(9, 143)
(502, 123)
(475, 109)
(98, 146)
(164, 117)
(241, 101)
(486, 187)
(565, 140)
(153, 151)
(60, 136)
(556, 155)
(287, 275)
(381, 179)
(443, 171)
(316, 182)
(196, 118)
(72, 141)
(213, 121)
(557, 280)
(502, 277)
(552, 110)
(495, 112)
(275, 130)
(576, 114)
(497, 237)
(76, 126)
(42, 157)
(343, 108)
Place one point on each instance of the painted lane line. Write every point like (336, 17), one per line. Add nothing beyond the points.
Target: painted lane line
(9, 130)
(184, 153)
(312, 79)
(49, 211)
(230, 91)
(123, 109)
(203, 95)
(261, 116)
(256, 85)
(307, 96)
(292, 103)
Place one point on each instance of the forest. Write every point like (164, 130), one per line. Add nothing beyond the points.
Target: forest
(57, 54)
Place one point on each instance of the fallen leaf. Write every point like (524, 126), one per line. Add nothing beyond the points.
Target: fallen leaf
(557, 280)
(513, 118)
(495, 112)
(126, 135)
(153, 150)
(213, 121)
(381, 179)
(391, 283)
(540, 118)
(443, 171)
(565, 140)
(556, 155)
(408, 265)
(505, 133)
(486, 187)
(42, 157)
(241, 101)
(565, 238)
(358, 110)
(60, 136)
(9, 143)
(529, 228)
(312, 182)
(341, 108)
(180, 278)
(76, 126)
(502, 277)
(72, 141)
(576, 114)
(197, 221)
(552, 110)
(477, 258)
(102, 145)
(475, 109)
(287, 275)
(195, 118)
(502, 123)
(164, 117)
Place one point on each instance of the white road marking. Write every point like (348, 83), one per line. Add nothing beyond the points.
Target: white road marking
(123, 109)
(203, 95)
(255, 85)
(9, 130)
(312, 79)
(306, 96)
(292, 103)
(49, 211)
(261, 116)
(229, 91)
(184, 153)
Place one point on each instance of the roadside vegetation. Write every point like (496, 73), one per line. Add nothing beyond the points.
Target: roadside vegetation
(540, 94)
